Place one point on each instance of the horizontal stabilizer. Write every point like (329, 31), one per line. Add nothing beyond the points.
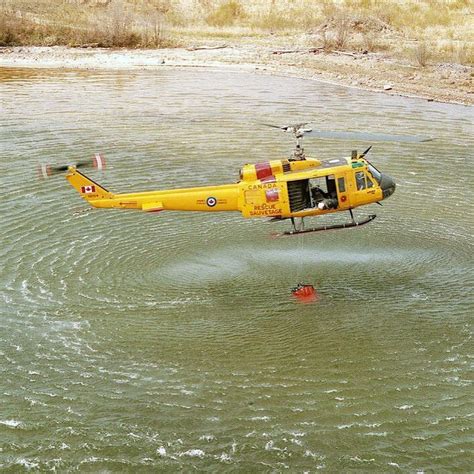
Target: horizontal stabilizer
(152, 206)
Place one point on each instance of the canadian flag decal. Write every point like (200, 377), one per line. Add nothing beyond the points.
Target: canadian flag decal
(272, 195)
(87, 189)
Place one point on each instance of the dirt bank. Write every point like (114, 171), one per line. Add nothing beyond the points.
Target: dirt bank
(451, 83)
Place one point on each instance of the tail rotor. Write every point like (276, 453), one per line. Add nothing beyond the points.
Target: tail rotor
(47, 170)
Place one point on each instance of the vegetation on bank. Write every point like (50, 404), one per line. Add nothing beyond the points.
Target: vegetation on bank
(421, 30)
(100, 23)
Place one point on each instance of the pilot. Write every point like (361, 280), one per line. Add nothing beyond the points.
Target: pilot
(360, 179)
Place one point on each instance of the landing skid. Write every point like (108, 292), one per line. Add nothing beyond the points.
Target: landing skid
(346, 225)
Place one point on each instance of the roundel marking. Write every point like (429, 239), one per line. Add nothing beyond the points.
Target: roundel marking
(211, 201)
(343, 198)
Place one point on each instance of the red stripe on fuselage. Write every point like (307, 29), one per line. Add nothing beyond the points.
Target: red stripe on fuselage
(263, 170)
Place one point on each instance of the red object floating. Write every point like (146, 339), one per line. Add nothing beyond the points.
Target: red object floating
(305, 293)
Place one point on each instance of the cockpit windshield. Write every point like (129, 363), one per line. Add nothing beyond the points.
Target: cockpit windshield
(375, 173)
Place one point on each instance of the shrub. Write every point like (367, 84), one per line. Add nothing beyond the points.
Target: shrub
(226, 14)
(370, 41)
(327, 42)
(421, 53)
(343, 30)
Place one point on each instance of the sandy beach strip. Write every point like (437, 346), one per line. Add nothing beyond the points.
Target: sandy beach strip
(449, 83)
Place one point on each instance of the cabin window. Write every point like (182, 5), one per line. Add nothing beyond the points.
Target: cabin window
(360, 180)
(341, 184)
(375, 173)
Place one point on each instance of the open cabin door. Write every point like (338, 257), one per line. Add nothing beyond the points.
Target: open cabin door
(324, 192)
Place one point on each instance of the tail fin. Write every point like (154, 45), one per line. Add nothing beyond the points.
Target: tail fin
(88, 189)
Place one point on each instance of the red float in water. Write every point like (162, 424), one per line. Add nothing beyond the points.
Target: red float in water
(305, 293)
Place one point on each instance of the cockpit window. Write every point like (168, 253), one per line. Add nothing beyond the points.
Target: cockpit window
(370, 184)
(360, 180)
(375, 173)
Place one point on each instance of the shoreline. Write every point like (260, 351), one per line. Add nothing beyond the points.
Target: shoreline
(374, 72)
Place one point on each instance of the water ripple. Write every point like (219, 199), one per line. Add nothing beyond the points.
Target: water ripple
(132, 341)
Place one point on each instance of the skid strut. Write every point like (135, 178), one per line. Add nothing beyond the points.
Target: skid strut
(345, 225)
(300, 228)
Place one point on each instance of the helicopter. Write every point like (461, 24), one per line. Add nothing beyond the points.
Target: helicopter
(298, 187)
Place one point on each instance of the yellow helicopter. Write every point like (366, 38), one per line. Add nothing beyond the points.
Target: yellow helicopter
(297, 187)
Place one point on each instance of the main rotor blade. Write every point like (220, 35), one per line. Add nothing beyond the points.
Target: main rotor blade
(272, 126)
(365, 152)
(362, 136)
(285, 128)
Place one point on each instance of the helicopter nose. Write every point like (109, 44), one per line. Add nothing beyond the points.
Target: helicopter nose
(388, 185)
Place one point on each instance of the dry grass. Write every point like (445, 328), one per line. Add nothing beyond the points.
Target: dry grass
(421, 53)
(105, 23)
(226, 14)
(445, 27)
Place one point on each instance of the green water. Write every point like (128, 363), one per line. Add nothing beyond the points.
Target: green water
(136, 342)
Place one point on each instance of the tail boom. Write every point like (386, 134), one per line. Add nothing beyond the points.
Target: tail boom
(207, 198)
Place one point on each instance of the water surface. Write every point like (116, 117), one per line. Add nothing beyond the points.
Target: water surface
(132, 341)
